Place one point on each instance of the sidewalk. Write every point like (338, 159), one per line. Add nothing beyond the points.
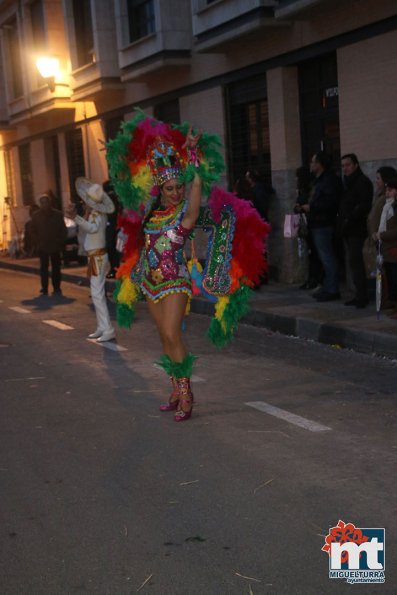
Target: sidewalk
(285, 309)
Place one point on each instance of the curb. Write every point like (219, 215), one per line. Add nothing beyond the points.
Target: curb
(335, 334)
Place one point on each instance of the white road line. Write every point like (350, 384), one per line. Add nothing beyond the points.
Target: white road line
(20, 310)
(108, 345)
(297, 420)
(58, 325)
(28, 378)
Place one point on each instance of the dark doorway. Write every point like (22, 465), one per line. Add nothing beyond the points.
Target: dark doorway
(319, 107)
(248, 128)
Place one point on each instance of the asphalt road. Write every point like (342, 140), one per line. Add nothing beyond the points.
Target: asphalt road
(102, 494)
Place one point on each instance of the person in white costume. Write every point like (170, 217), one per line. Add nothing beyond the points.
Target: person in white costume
(98, 205)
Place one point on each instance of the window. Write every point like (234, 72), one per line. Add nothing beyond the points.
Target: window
(38, 26)
(25, 167)
(38, 32)
(83, 32)
(14, 55)
(141, 19)
(75, 155)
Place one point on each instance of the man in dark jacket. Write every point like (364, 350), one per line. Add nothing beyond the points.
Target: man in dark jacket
(49, 233)
(352, 223)
(322, 211)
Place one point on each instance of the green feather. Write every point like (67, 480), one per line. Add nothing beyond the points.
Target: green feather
(236, 308)
(181, 369)
(125, 315)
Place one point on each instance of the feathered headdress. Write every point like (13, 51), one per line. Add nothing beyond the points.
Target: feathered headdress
(147, 152)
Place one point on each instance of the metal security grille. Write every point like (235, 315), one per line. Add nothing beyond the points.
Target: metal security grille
(319, 107)
(248, 127)
(25, 167)
(75, 155)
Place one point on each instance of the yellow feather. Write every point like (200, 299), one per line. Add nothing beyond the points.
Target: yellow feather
(128, 292)
(220, 307)
(144, 179)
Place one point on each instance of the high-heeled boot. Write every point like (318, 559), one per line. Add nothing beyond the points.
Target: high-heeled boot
(181, 372)
(185, 402)
(174, 397)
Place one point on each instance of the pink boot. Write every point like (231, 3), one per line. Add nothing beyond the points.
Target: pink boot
(174, 398)
(185, 403)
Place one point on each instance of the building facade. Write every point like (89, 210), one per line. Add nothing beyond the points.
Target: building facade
(277, 80)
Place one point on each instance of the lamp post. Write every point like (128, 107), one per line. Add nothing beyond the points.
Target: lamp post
(48, 67)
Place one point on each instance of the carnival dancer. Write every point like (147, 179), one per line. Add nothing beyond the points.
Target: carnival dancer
(151, 164)
(98, 205)
(162, 272)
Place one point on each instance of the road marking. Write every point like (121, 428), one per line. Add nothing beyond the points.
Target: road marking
(108, 345)
(29, 378)
(20, 310)
(58, 325)
(297, 420)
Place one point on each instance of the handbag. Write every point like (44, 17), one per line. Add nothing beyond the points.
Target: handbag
(291, 225)
(369, 257)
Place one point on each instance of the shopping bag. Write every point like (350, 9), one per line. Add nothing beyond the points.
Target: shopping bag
(291, 225)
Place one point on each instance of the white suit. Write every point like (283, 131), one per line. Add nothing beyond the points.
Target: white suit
(94, 244)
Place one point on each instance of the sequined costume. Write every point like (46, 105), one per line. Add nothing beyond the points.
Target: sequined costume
(162, 267)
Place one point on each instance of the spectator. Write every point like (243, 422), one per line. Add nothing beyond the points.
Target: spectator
(322, 211)
(243, 188)
(383, 175)
(28, 244)
(112, 230)
(303, 191)
(387, 235)
(352, 223)
(261, 193)
(49, 233)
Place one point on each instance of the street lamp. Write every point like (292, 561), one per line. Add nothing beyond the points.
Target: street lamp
(48, 67)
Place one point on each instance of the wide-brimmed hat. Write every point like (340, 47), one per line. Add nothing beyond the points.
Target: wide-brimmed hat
(94, 195)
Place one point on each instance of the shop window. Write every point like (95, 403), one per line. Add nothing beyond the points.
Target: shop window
(141, 18)
(83, 32)
(25, 167)
(75, 155)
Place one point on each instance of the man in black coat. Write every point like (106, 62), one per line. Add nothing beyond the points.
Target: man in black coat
(352, 223)
(322, 210)
(49, 233)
